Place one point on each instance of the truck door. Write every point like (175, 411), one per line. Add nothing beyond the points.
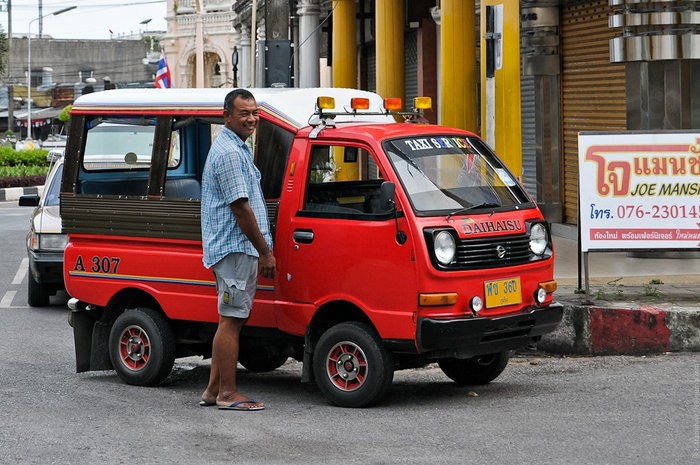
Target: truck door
(341, 244)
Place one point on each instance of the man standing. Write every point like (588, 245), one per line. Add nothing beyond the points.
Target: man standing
(236, 241)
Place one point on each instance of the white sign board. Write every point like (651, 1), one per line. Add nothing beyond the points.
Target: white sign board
(639, 190)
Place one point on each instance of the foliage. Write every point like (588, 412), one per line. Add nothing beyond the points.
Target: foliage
(4, 52)
(651, 289)
(65, 113)
(24, 181)
(19, 168)
(22, 170)
(12, 157)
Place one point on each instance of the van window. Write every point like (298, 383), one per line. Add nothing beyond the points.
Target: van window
(344, 181)
(119, 146)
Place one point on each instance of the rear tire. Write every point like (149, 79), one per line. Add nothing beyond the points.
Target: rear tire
(142, 347)
(37, 293)
(351, 365)
(476, 370)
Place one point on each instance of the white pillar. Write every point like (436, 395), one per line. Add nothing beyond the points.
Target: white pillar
(244, 61)
(309, 49)
(199, 47)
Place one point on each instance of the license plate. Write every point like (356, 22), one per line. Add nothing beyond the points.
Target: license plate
(501, 292)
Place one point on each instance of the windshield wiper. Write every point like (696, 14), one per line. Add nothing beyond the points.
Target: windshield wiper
(478, 205)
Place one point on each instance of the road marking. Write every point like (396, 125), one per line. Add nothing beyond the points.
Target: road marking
(21, 272)
(6, 301)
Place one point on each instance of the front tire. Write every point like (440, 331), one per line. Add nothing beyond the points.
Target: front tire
(142, 347)
(476, 370)
(351, 365)
(37, 293)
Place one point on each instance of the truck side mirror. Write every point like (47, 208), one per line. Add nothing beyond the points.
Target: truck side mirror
(386, 196)
(386, 203)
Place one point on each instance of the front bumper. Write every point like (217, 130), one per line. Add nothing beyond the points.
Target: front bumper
(46, 267)
(467, 337)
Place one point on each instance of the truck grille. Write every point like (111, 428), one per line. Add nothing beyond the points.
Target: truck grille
(491, 252)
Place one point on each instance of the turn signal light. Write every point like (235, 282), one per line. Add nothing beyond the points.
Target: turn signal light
(326, 103)
(437, 300)
(422, 103)
(392, 104)
(548, 286)
(358, 103)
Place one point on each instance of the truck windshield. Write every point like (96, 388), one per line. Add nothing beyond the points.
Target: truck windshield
(453, 174)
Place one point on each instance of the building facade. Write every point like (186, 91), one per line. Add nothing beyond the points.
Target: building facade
(201, 28)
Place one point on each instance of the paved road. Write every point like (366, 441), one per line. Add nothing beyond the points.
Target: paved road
(603, 410)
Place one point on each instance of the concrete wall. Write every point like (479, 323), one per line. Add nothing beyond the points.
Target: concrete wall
(121, 60)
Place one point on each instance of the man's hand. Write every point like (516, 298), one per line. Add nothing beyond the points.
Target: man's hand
(267, 265)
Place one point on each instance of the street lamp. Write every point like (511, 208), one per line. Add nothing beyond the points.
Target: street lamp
(234, 63)
(29, 66)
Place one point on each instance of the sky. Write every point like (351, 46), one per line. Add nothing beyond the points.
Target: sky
(92, 19)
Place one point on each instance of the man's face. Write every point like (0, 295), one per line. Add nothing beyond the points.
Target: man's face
(244, 117)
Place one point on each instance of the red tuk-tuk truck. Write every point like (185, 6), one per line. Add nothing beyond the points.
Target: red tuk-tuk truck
(397, 244)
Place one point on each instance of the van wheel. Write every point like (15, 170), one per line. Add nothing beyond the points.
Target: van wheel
(142, 347)
(476, 370)
(260, 359)
(351, 365)
(37, 294)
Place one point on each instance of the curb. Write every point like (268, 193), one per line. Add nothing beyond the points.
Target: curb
(14, 193)
(594, 330)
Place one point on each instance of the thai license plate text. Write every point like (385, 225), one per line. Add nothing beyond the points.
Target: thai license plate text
(502, 292)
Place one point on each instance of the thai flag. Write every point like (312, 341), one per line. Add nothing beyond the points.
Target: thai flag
(163, 80)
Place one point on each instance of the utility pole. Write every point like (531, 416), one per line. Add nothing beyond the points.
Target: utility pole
(10, 88)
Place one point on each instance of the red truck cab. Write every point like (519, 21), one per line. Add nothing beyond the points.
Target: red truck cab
(397, 244)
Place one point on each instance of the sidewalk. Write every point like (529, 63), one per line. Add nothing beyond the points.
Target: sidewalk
(636, 305)
(14, 193)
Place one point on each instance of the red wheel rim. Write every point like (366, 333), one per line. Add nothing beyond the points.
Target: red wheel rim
(134, 348)
(346, 366)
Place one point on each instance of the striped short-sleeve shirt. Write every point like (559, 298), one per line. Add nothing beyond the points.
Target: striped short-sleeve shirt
(230, 174)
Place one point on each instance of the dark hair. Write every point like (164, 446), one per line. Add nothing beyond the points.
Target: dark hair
(233, 95)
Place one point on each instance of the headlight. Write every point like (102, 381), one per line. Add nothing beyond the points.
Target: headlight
(445, 247)
(51, 242)
(538, 238)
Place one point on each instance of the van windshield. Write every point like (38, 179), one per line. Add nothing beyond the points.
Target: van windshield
(453, 174)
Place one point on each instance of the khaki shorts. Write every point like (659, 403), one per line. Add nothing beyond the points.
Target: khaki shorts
(236, 280)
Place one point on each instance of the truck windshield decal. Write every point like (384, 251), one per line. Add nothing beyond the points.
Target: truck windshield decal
(436, 145)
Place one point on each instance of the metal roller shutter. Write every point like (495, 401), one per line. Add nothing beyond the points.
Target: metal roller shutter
(592, 89)
(410, 57)
(527, 97)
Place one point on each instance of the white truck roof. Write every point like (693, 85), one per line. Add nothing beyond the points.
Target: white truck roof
(293, 105)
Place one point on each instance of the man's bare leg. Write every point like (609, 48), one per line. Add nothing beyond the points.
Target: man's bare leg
(224, 360)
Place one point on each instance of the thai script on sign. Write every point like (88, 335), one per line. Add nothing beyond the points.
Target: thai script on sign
(614, 177)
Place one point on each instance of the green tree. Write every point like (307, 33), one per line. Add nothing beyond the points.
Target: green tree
(4, 51)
